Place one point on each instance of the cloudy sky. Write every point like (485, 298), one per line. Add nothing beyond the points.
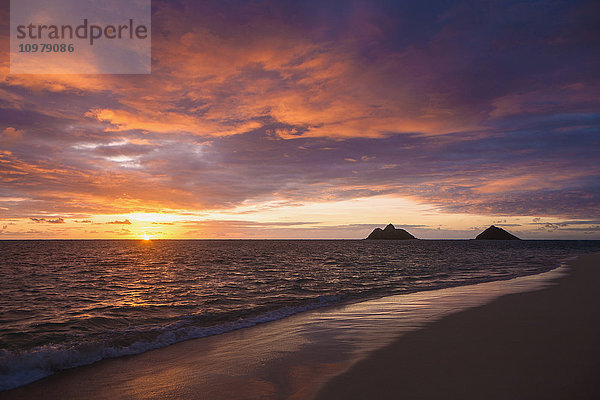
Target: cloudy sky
(317, 119)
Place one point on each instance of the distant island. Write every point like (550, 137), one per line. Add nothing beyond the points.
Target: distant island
(392, 233)
(495, 233)
(389, 233)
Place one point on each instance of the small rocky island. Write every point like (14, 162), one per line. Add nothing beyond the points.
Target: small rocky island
(495, 233)
(389, 233)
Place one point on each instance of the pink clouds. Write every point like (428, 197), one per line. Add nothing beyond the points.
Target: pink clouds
(264, 69)
(10, 136)
(455, 107)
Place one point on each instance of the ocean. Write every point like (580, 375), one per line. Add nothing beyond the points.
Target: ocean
(66, 303)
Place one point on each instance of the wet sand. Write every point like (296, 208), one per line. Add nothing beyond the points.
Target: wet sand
(518, 342)
(537, 345)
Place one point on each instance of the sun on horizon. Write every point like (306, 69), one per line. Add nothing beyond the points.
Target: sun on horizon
(304, 123)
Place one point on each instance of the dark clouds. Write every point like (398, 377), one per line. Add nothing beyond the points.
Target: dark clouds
(474, 107)
(49, 221)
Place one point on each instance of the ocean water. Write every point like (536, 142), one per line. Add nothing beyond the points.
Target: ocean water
(69, 303)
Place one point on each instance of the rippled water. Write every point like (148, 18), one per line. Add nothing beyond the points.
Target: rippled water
(69, 303)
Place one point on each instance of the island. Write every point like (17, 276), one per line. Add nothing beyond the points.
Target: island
(495, 233)
(389, 233)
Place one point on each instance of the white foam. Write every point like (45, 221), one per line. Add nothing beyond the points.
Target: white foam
(20, 368)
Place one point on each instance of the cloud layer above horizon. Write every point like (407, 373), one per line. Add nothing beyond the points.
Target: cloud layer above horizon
(486, 108)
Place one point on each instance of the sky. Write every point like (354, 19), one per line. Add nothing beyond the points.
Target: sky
(316, 119)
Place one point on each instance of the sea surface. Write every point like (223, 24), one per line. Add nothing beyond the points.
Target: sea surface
(69, 303)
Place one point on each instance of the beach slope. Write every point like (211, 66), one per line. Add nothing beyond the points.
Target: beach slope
(534, 345)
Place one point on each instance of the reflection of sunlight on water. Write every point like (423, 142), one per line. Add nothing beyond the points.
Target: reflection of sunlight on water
(132, 296)
(295, 356)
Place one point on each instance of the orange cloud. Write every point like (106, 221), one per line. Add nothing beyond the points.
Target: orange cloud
(124, 222)
(208, 83)
(10, 136)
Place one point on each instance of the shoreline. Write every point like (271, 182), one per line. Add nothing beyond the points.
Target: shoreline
(268, 318)
(250, 322)
(530, 345)
(288, 358)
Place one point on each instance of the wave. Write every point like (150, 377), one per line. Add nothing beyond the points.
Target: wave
(238, 294)
(18, 368)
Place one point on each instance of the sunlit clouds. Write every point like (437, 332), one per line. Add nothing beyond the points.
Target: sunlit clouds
(316, 120)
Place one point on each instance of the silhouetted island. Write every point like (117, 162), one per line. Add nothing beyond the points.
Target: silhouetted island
(390, 233)
(495, 233)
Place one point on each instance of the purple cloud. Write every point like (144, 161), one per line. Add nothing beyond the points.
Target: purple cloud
(487, 108)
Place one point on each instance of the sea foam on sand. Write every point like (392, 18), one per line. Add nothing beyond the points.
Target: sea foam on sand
(288, 358)
(535, 345)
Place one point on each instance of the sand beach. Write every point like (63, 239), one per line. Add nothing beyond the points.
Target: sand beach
(529, 337)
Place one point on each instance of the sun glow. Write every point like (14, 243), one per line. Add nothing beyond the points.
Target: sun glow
(145, 236)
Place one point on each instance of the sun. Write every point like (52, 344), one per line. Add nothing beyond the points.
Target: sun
(145, 236)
